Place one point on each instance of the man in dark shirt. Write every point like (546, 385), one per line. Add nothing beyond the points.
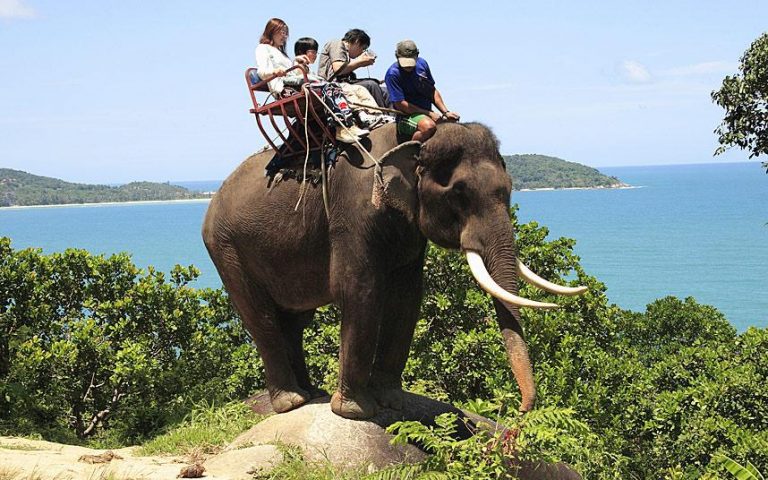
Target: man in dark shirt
(412, 91)
(340, 58)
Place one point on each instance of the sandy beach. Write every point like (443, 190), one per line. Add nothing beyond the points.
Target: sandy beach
(107, 204)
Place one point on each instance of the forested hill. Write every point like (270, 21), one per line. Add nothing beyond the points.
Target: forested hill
(22, 188)
(541, 171)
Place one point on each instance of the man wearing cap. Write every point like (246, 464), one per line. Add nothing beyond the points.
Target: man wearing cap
(412, 91)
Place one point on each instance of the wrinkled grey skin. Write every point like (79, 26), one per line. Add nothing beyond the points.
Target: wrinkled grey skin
(279, 265)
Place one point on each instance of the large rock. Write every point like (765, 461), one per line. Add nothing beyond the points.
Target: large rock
(324, 436)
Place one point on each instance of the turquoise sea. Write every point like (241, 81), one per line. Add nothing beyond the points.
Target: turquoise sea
(686, 230)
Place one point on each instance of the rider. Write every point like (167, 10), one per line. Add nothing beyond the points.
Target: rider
(412, 91)
(340, 58)
(363, 103)
(271, 58)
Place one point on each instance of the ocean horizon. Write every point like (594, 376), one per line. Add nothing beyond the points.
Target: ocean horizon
(694, 230)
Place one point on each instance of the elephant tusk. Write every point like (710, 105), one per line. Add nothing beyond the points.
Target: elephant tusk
(485, 280)
(535, 280)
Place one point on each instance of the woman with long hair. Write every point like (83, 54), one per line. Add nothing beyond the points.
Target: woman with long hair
(271, 58)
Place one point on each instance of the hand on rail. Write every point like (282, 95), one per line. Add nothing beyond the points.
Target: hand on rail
(451, 116)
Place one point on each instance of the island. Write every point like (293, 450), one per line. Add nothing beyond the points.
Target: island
(18, 188)
(536, 172)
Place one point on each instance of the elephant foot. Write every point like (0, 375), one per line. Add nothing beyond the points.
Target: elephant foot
(360, 407)
(388, 390)
(285, 400)
(390, 397)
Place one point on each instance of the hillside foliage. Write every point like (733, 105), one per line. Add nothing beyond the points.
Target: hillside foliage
(94, 349)
(21, 188)
(541, 171)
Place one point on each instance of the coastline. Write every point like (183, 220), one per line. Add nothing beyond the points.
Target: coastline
(622, 186)
(108, 204)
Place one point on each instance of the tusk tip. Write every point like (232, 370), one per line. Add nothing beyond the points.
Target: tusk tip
(577, 290)
(550, 306)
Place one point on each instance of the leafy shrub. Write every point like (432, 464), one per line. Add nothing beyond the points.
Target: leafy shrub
(651, 394)
(90, 344)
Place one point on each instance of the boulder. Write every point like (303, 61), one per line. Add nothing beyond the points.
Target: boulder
(324, 436)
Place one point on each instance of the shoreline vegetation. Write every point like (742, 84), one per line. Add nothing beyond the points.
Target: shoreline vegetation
(20, 189)
(623, 186)
(542, 172)
(659, 393)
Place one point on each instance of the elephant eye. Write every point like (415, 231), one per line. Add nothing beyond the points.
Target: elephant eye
(458, 195)
(459, 187)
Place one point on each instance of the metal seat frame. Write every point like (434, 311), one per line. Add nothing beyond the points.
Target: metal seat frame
(291, 108)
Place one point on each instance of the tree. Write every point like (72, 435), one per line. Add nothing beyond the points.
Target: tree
(92, 345)
(745, 99)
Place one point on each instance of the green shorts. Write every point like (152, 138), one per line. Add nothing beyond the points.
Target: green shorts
(406, 124)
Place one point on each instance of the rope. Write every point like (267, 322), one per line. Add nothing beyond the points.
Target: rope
(377, 171)
(302, 187)
(381, 109)
(324, 178)
(323, 166)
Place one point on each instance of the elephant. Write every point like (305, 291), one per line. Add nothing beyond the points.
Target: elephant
(280, 259)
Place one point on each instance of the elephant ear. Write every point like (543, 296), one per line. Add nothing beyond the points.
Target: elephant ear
(395, 184)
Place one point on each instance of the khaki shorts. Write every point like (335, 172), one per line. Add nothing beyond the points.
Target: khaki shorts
(407, 125)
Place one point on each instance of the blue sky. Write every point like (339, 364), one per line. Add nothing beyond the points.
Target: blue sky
(109, 92)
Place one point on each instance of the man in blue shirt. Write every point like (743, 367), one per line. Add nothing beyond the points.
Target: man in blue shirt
(412, 91)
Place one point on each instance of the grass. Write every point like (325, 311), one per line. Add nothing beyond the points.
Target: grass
(295, 467)
(205, 431)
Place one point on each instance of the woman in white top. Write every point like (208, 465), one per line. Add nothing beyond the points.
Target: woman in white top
(272, 59)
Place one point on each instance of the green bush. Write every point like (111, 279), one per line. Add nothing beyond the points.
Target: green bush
(662, 390)
(91, 345)
(652, 394)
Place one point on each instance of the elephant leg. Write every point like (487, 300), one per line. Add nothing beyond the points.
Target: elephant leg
(259, 316)
(292, 326)
(362, 304)
(401, 314)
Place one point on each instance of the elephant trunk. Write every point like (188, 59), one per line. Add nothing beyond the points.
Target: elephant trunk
(498, 252)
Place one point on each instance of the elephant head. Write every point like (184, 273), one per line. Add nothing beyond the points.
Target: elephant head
(461, 201)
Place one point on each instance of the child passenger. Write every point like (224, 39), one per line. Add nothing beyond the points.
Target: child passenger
(306, 47)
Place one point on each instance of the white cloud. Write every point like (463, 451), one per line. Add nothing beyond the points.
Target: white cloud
(634, 72)
(15, 9)
(703, 68)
